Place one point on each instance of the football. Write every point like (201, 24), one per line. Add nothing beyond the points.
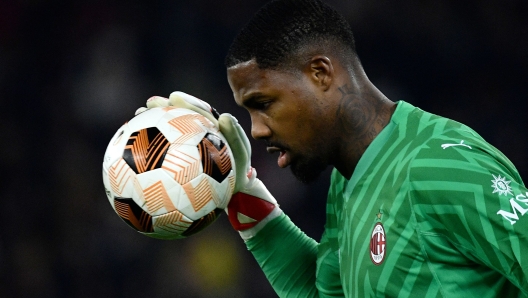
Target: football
(168, 172)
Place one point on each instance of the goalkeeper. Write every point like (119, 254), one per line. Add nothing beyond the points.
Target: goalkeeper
(419, 205)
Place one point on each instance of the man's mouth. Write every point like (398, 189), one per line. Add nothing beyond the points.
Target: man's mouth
(284, 157)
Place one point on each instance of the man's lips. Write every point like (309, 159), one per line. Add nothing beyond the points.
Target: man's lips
(273, 149)
(284, 157)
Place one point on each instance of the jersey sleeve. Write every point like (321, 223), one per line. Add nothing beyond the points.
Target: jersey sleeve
(289, 260)
(470, 194)
(287, 256)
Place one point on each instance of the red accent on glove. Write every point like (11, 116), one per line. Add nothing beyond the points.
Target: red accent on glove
(250, 206)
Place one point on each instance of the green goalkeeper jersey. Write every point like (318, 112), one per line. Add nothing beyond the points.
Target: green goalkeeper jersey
(431, 210)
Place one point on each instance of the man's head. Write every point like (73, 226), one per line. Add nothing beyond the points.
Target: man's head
(283, 31)
(287, 67)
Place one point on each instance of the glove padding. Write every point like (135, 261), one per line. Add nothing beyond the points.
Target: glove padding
(182, 100)
(252, 205)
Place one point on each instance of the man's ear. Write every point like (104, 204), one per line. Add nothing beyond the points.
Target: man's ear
(321, 71)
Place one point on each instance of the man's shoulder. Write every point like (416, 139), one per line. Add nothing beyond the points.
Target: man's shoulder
(425, 130)
(416, 118)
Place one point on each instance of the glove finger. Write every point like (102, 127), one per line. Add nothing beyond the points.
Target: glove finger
(190, 99)
(243, 137)
(239, 144)
(157, 101)
(235, 136)
(183, 100)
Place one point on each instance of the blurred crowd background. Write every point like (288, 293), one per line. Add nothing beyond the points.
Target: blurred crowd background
(71, 72)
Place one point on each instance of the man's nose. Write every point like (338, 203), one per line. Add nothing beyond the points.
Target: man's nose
(259, 130)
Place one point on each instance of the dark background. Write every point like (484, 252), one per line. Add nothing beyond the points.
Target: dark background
(72, 72)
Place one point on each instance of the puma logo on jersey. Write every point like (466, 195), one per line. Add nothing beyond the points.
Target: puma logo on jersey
(444, 146)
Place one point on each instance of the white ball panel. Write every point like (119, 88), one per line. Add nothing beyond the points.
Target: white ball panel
(114, 150)
(121, 180)
(157, 199)
(149, 118)
(182, 126)
(170, 225)
(148, 178)
(223, 189)
(177, 112)
(201, 198)
(108, 189)
(176, 193)
(182, 163)
(170, 132)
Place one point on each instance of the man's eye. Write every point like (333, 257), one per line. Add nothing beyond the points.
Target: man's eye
(258, 102)
(261, 105)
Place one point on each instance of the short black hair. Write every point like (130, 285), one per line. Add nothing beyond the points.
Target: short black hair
(281, 28)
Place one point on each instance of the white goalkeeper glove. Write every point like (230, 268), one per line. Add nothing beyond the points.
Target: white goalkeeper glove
(252, 206)
(182, 100)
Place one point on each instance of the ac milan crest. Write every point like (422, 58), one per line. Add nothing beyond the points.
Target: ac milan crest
(378, 244)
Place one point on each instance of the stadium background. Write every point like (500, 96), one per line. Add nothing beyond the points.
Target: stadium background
(72, 72)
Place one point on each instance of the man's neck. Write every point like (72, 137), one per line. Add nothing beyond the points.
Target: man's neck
(362, 114)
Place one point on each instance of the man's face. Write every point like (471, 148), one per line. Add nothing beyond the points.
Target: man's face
(289, 113)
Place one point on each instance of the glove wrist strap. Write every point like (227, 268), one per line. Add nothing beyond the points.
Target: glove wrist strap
(251, 232)
(246, 211)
